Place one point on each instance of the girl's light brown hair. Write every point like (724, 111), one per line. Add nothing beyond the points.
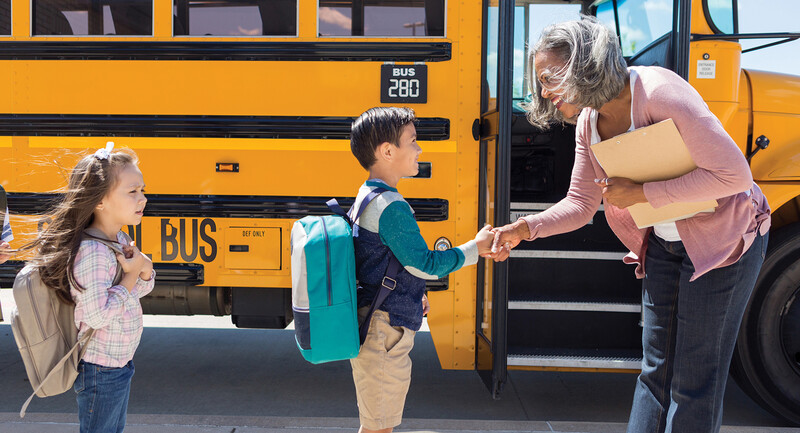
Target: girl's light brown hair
(57, 245)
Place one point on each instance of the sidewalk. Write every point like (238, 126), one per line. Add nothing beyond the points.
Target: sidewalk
(67, 423)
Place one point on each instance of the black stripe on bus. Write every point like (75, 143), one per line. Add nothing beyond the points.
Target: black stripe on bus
(294, 127)
(241, 51)
(228, 206)
(187, 274)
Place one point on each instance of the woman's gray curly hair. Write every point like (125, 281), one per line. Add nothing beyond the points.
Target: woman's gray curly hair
(594, 71)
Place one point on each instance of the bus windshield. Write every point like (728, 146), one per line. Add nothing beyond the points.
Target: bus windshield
(641, 22)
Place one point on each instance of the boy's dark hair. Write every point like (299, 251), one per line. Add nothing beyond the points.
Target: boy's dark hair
(375, 126)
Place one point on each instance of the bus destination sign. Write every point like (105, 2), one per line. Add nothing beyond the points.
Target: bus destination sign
(406, 84)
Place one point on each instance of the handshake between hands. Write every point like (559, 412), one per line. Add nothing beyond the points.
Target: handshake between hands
(496, 243)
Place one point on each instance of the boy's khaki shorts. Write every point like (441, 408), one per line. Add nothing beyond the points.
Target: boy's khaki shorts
(382, 372)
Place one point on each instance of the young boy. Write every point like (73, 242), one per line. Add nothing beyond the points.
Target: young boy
(384, 141)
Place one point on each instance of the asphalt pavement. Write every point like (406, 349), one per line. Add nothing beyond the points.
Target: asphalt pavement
(193, 379)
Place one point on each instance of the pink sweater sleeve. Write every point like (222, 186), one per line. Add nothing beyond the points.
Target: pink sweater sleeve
(721, 168)
(582, 200)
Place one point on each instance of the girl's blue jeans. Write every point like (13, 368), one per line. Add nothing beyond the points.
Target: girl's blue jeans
(102, 394)
(689, 331)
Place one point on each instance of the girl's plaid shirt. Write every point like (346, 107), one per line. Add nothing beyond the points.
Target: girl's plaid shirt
(115, 313)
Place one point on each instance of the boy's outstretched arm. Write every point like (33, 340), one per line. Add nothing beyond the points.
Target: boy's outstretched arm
(399, 231)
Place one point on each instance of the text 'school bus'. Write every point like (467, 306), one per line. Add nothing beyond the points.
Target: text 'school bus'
(240, 111)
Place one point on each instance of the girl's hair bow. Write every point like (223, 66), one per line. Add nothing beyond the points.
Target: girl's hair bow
(103, 153)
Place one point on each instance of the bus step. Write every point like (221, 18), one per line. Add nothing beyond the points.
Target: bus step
(574, 362)
(609, 307)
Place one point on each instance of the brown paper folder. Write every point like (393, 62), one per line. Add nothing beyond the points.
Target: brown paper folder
(653, 153)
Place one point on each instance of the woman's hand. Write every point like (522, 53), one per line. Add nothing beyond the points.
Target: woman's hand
(135, 262)
(426, 306)
(621, 192)
(508, 237)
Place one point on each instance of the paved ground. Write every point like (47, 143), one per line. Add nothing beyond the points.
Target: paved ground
(191, 379)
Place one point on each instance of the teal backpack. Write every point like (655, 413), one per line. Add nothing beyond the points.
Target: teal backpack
(324, 285)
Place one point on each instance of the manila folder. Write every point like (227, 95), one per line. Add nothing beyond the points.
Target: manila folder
(653, 153)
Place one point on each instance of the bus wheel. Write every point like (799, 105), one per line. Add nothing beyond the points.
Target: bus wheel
(766, 362)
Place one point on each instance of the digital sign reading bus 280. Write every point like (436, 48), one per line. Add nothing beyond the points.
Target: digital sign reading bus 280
(404, 83)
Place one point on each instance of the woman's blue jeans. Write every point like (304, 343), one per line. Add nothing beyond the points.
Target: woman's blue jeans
(689, 331)
(102, 394)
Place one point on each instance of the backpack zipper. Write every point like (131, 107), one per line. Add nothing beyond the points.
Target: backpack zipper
(327, 260)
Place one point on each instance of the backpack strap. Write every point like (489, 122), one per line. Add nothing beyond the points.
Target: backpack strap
(333, 205)
(115, 247)
(388, 284)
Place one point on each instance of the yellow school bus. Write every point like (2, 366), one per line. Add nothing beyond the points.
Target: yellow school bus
(240, 113)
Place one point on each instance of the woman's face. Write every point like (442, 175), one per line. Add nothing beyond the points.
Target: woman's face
(547, 65)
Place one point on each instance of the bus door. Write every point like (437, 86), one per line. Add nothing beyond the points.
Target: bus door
(494, 129)
(561, 303)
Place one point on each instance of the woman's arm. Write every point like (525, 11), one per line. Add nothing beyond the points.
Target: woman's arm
(571, 213)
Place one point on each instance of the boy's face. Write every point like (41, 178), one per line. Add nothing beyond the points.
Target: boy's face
(408, 152)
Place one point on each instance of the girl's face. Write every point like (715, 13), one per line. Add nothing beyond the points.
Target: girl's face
(124, 202)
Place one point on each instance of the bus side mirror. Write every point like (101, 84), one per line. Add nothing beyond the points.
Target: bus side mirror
(762, 142)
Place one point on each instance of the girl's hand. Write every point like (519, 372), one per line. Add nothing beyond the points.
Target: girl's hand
(621, 192)
(426, 306)
(135, 262)
(508, 237)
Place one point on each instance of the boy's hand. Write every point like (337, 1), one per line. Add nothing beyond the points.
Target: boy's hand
(5, 252)
(484, 240)
(426, 306)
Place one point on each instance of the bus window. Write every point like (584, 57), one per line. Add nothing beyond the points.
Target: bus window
(721, 15)
(641, 22)
(235, 17)
(419, 18)
(91, 17)
(5, 17)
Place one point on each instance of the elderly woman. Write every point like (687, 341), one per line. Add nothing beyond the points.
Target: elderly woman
(698, 272)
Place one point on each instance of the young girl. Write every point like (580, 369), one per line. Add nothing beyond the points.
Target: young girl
(106, 191)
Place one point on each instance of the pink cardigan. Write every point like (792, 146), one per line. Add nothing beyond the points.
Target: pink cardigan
(712, 240)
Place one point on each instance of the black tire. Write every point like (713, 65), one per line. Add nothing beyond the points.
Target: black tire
(766, 362)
